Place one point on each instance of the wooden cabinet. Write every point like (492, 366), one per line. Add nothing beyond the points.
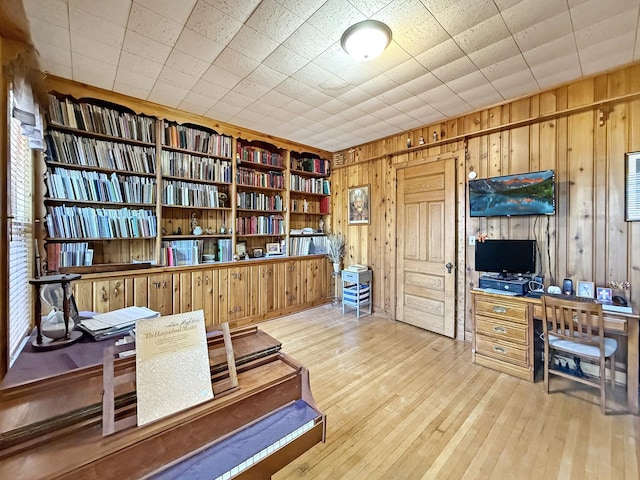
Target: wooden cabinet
(503, 335)
(102, 296)
(156, 292)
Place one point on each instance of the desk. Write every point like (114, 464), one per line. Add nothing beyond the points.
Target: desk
(503, 337)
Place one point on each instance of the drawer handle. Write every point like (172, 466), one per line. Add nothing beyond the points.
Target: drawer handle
(497, 309)
(499, 329)
(499, 349)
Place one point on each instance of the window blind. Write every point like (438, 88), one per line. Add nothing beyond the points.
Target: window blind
(21, 239)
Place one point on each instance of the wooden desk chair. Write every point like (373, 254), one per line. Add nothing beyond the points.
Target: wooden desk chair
(577, 328)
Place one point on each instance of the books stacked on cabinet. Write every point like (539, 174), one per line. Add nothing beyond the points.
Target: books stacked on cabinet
(68, 255)
(318, 186)
(196, 140)
(66, 222)
(311, 245)
(181, 252)
(260, 225)
(259, 201)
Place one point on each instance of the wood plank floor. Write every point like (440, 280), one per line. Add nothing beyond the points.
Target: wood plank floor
(403, 403)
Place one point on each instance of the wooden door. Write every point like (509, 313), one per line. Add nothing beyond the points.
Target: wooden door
(426, 246)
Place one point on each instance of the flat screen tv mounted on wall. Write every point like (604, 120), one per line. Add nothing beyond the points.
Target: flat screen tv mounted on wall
(523, 194)
(506, 257)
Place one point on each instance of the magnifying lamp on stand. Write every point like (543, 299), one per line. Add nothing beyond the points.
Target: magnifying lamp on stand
(55, 330)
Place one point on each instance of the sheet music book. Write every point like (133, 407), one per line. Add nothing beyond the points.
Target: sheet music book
(172, 365)
(122, 318)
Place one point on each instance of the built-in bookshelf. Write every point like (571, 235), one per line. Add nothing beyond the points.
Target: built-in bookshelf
(309, 192)
(125, 188)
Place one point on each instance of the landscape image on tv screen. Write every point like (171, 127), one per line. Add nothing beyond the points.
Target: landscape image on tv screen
(523, 194)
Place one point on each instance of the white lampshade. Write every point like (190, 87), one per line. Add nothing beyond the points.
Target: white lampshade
(366, 40)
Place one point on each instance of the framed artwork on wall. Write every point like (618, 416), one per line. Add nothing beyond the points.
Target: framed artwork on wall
(632, 187)
(358, 202)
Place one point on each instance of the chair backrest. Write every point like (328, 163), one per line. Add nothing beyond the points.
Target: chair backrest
(575, 320)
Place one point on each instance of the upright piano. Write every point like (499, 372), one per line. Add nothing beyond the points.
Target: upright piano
(52, 428)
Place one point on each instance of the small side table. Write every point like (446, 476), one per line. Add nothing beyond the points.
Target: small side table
(356, 290)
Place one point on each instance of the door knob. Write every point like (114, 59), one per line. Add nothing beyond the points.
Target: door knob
(449, 266)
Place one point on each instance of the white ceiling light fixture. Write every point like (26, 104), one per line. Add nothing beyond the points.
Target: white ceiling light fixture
(366, 40)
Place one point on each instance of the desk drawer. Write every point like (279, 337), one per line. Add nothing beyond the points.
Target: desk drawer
(513, 332)
(510, 310)
(505, 351)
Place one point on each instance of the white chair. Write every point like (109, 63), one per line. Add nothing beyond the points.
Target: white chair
(577, 328)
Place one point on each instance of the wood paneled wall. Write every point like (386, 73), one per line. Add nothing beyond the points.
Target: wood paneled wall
(581, 130)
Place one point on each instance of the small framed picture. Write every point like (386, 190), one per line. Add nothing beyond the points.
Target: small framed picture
(603, 295)
(585, 290)
(257, 252)
(241, 249)
(359, 205)
(273, 248)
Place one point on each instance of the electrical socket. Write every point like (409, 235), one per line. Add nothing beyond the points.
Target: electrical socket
(472, 240)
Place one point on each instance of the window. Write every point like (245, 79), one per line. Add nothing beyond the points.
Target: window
(21, 238)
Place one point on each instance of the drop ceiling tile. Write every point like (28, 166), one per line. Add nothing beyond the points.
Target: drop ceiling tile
(400, 16)
(252, 44)
(250, 89)
(137, 64)
(265, 76)
(334, 17)
(417, 40)
(409, 104)
(456, 69)
(221, 77)
(275, 98)
(487, 33)
(171, 76)
(303, 8)
(95, 27)
(378, 85)
(354, 97)
(154, 26)
(561, 47)
(263, 108)
(588, 13)
(92, 71)
(441, 95)
(422, 84)
(209, 90)
(177, 11)
(199, 46)
(187, 64)
(145, 47)
(442, 54)
(333, 106)
(246, 118)
(464, 14)
(372, 105)
(91, 48)
(196, 103)
(51, 11)
(292, 88)
(556, 70)
(296, 107)
(525, 14)
(133, 79)
(352, 113)
(61, 70)
(395, 95)
(131, 90)
(274, 21)
(617, 25)
(223, 111)
(335, 60)
(315, 98)
(391, 57)
(301, 122)
(481, 95)
(312, 75)
(240, 10)
(544, 32)
(51, 55)
(601, 56)
(426, 114)
(48, 34)
(213, 23)
(284, 60)
(495, 53)
(235, 98)
(516, 84)
(406, 71)
(167, 94)
(467, 82)
(281, 115)
(370, 7)
(334, 121)
(359, 73)
(236, 63)
(116, 11)
(505, 68)
(308, 42)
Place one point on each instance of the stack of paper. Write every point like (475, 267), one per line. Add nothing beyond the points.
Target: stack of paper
(107, 325)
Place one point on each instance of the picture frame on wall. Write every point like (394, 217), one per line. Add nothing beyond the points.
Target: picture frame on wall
(585, 290)
(358, 202)
(632, 187)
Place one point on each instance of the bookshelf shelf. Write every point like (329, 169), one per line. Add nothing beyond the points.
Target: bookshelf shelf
(94, 239)
(72, 166)
(195, 180)
(99, 136)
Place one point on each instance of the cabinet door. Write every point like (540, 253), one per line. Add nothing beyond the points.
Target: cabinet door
(197, 290)
(109, 295)
(267, 275)
(238, 292)
(294, 291)
(223, 295)
(210, 297)
(160, 293)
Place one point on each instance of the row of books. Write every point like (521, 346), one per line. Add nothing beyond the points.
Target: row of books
(91, 186)
(90, 152)
(260, 179)
(258, 155)
(323, 206)
(181, 252)
(225, 250)
(320, 186)
(65, 221)
(68, 255)
(189, 138)
(259, 201)
(308, 245)
(312, 165)
(176, 192)
(177, 164)
(260, 225)
(103, 120)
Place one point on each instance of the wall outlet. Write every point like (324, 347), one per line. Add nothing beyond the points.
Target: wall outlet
(472, 240)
